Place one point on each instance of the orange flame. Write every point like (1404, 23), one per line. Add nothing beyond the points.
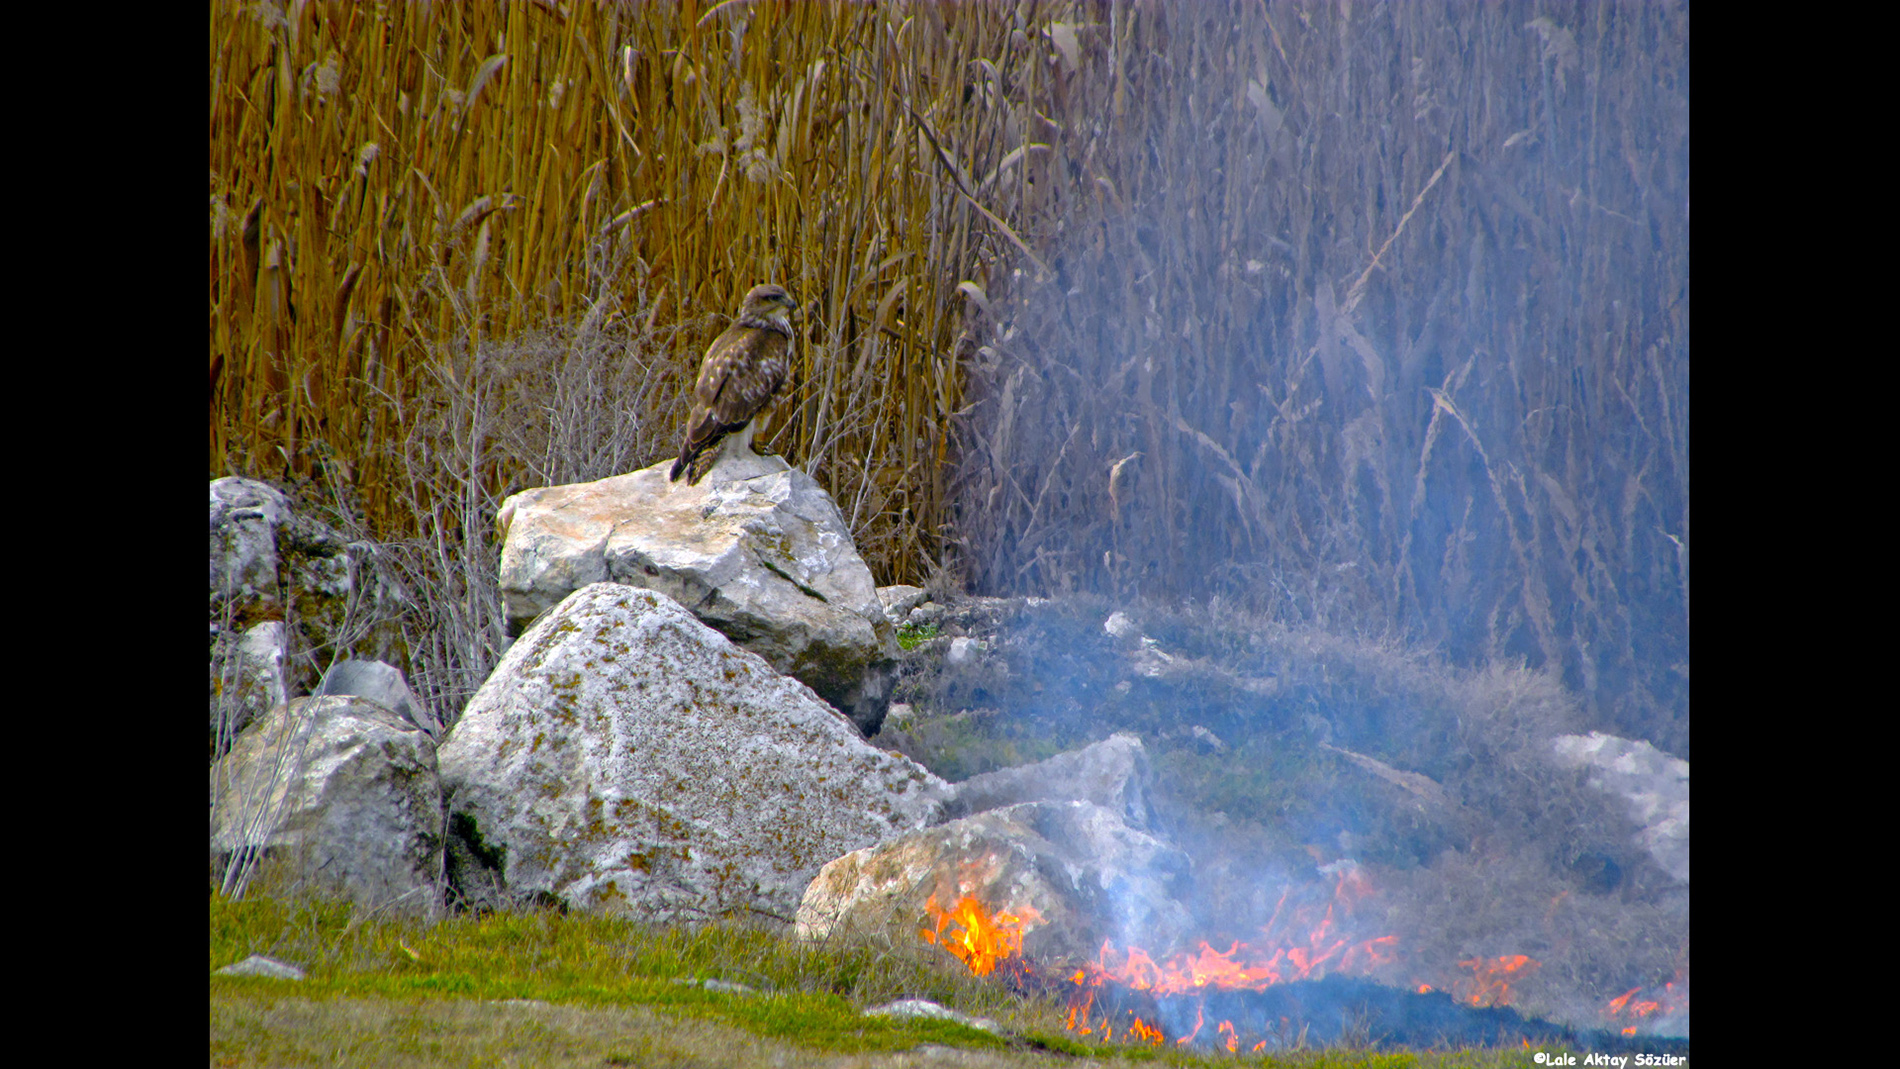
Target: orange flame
(1490, 983)
(1200, 1019)
(1673, 998)
(1299, 942)
(1302, 948)
(982, 940)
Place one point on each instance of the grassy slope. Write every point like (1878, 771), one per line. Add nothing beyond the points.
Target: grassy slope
(399, 992)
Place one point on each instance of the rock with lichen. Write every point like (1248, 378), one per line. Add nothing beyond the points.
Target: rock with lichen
(756, 550)
(338, 794)
(247, 679)
(328, 597)
(626, 758)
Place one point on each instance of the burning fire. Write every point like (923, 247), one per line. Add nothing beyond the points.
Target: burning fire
(1139, 1031)
(1233, 1040)
(1299, 942)
(1673, 998)
(1241, 965)
(1295, 946)
(982, 940)
(1491, 979)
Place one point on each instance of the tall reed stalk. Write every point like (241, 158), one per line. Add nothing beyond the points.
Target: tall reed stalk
(1373, 316)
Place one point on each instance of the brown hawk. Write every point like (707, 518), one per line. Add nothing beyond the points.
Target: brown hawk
(743, 371)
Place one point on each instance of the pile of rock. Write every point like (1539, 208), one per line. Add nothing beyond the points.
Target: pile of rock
(756, 550)
(288, 594)
(681, 731)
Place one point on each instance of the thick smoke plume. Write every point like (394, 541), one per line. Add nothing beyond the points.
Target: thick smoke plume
(1374, 317)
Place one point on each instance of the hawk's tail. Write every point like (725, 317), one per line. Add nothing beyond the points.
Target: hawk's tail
(700, 465)
(697, 459)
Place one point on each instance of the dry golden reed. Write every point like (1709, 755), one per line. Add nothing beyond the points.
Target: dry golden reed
(392, 184)
(1374, 316)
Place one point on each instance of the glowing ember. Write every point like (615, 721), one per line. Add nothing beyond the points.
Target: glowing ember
(1673, 998)
(1491, 979)
(981, 940)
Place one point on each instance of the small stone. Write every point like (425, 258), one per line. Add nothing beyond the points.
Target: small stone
(899, 600)
(906, 1008)
(1208, 740)
(381, 683)
(259, 965)
(725, 987)
(1113, 773)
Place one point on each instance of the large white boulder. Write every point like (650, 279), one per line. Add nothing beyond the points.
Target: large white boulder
(756, 550)
(625, 757)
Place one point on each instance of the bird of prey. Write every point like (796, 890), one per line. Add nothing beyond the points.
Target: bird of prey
(743, 371)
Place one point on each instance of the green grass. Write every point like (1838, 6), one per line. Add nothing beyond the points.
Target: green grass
(808, 994)
(603, 991)
(911, 636)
